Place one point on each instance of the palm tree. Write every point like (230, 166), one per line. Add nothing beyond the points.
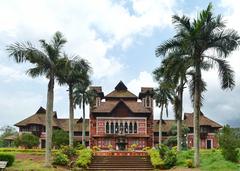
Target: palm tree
(73, 72)
(163, 95)
(198, 38)
(46, 63)
(174, 69)
(83, 96)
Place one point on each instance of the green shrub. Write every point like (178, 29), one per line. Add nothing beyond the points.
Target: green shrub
(20, 150)
(156, 161)
(170, 158)
(80, 146)
(84, 158)
(146, 148)
(133, 146)
(69, 151)
(96, 148)
(7, 157)
(60, 159)
(27, 140)
(59, 138)
(189, 163)
(163, 157)
(228, 143)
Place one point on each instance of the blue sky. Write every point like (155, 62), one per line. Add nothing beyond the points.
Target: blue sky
(117, 37)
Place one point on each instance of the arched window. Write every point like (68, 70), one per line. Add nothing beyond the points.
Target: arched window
(112, 128)
(107, 128)
(130, 128)
(126, 127)
(116, 128)
(135, 127)
(121, 128)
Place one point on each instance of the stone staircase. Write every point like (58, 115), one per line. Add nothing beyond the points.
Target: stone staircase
(140, 163)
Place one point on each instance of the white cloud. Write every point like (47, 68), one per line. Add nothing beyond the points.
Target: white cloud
(9, 74)
(144, 79)
(82, 22)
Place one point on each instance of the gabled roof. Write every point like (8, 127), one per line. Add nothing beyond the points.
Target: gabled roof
(166, 125)
(146, 91)
(109, 106)
(64, 124)
(38, 118)
(120, 92)
(204, 121)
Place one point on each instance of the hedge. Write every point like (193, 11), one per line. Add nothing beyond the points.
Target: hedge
(7, 157)
(20, 150)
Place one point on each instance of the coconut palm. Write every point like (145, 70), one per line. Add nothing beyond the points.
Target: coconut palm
(174, 69)
(163, 95)
(45, 62)
(207, 43)
(73, 72)
(82, 97)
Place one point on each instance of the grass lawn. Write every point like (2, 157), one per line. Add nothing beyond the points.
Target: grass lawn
(30, 162)
(211, 160)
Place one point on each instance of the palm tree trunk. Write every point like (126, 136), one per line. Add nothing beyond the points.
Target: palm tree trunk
(48, 120)
(71, 116)
(83, 125)
(197, 98)
(160, 126)
(179, 118)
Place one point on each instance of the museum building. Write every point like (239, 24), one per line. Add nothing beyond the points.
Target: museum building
(121, 119)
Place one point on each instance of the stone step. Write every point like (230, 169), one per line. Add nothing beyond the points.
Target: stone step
(115, 169)
(121, 163)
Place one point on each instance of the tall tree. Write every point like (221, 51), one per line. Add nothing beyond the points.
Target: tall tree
(45, 62)
(82, 97)
(174, 69)
(207, 43)
(73, 72)
(163, 95)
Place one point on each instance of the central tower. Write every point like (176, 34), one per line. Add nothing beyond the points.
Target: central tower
(121, 119)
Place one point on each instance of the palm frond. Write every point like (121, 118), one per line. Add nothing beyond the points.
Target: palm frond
(226, 74)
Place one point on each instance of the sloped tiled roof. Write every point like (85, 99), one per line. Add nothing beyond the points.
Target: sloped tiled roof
(188, 120)
(37, 118)
(108, 106)
(64, 124)
(120, 92)
(166, 125)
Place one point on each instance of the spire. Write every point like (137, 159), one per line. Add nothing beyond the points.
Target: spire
(120, 86)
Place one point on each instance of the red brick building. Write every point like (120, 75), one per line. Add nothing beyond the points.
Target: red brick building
(121, 119)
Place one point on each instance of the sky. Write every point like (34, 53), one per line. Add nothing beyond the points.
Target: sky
(118, 38)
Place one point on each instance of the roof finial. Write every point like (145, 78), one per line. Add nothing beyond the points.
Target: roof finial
(120, 86)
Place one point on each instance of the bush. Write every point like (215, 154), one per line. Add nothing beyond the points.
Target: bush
(156, 161)
(228, 143)
(80, 147)
(96, 148)
(85, 157)
(7, 157)
(59, 138)
(133, 146)
(163, 157)
(146, 148)
(110, 146)
(170, 158)
(189, 163)
(27, 140)
(60, 159)
(69, 151)
(20, 150)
